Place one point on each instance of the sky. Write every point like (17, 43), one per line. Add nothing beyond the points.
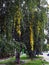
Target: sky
(47, 1)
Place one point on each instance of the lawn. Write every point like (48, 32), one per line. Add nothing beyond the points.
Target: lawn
(35, 61)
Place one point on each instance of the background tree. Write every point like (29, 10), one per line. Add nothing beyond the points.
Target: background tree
(24, 22)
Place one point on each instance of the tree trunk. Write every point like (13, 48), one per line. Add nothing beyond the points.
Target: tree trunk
(17, 57)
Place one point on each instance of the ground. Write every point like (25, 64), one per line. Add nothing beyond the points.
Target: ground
(45, 57)
(25, 61)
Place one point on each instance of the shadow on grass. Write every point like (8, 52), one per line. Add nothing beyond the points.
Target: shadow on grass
(36, 61)
(31, 62)
(14, 63)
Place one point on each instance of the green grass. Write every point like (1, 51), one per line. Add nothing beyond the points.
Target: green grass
(23, 57)
(8, 60)
(35, 61)
(31, 62)
(12, 59)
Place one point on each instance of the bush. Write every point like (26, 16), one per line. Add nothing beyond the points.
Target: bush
(6, 49)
